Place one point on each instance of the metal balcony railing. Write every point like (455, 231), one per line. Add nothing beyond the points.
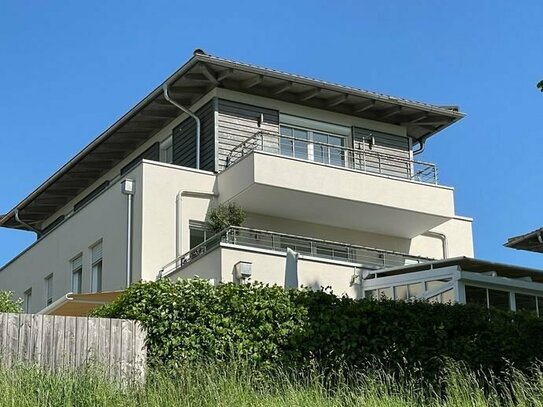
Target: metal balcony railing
(365, 257)
(337, 156)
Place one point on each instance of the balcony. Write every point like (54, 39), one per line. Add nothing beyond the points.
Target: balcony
(267, 242)
(330, 185)
(336, 156)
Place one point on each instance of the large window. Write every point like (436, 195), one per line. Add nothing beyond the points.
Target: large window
(96, 268)
(312, 145)
(77, 273)
(487, 297)
(49, 289)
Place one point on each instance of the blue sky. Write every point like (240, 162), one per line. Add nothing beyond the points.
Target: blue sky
(70, 69)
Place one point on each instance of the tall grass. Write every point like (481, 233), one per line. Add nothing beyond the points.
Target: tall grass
(237, 384)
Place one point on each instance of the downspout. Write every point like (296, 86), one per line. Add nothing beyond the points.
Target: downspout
(444, 241)
(191, 114)
(422, 143)
(38, 232)
(179, 215)
(129, 241)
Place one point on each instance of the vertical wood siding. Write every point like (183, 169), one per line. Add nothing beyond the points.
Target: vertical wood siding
(238, 122)
(382, 152)
(184, 140)
(58, 342)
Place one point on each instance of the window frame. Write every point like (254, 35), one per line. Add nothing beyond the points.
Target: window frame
(96, 275)
(27, 300)
(199, 226)
(48, 280)
(77, 271)
(311, 144)
(166, 150)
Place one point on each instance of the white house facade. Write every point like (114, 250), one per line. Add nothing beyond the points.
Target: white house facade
(325, 170)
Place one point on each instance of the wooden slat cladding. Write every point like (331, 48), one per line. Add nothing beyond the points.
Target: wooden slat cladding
(387, 154)
(238, 122)
(184, 140)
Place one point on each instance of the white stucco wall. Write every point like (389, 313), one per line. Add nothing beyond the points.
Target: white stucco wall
(168, 205)
(269, 268)
(104, 219)
(459, 240)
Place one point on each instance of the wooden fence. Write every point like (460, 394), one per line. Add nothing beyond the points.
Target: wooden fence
(58, 342)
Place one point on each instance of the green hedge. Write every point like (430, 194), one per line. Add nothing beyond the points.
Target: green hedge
(190, 319)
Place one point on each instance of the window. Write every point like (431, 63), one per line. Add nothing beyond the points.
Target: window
(199, 233)
(526, 302)
(49, 289)
(96, 268)
(166, 150)
(27, 301)
(498, 299)
(487, 297)
(476, 295)
(77, 273)
(312, 145)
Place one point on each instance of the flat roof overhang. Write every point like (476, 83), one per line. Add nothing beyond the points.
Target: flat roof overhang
(532, 241)
(191, 82)
(469, 264)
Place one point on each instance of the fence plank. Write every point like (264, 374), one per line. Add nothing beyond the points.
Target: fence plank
(48, 343)
(36, 339)
(116, 348)
(59, 342)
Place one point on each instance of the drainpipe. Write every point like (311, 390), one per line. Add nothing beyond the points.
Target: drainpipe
(422, 143)
(128, 188)
(179, 214)
(444, 242)
(38, 232)
(191, 114)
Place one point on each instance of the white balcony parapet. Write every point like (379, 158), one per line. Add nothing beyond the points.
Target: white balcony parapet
(336, 156)
(364, 257)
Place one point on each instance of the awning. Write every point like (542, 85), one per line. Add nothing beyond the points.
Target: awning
(79, 305)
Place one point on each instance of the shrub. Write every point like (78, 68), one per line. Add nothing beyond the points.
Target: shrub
(8, 304)
(190, 320)
(225, 215)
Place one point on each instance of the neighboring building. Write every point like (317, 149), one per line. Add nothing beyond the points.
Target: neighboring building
(532, 241)
(323, 169)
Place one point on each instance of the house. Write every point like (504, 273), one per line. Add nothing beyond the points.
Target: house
(532, 241)
(329, 177)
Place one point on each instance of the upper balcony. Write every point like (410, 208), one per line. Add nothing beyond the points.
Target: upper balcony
(333, 185)
(337, 156)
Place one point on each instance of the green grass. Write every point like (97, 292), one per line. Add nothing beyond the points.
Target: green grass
(236, 384)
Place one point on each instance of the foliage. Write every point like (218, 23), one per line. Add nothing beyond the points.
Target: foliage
(225, 215)
(540, 85)
(191, 320)
(8, 304)
(238, 384)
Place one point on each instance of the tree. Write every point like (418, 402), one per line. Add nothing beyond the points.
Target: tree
(8, 304)
(225, 215)
(540, 86)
